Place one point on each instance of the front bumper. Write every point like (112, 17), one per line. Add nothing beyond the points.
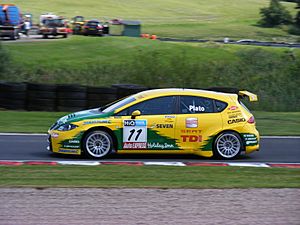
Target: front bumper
(64, 142)
(49, 146)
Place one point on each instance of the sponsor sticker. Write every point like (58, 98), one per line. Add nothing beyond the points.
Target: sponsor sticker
(54, 135)
(191, 138)
(134, 134)
(191, 131)
(233, 107)
(238, 120)
(250, 139)
(134, 145)
(233, 115)
(68, 151)
(194, 108)
(70, 146)
(74, 141)
(166, 125)
(169, 117)
(96, 121)
(160, 146)
(191, 122)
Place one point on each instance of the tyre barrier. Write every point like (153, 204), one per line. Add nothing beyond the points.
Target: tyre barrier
(124, 90)
(41, 97)
(99, 96)
(71, 97)
(66, 98)
(13, 95)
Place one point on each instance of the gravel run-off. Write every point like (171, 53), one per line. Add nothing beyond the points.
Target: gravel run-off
(148, 206)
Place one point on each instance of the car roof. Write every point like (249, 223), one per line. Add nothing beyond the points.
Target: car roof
(184, 91)
(93, 21)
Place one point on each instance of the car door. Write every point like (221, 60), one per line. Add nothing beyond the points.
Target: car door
(196, 122)
(153, 129)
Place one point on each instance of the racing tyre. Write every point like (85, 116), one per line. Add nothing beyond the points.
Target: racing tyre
(228, 145)
(97, 144)
(12, 87)
(41, 87)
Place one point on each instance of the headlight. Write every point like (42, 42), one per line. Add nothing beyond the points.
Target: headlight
(67, 127)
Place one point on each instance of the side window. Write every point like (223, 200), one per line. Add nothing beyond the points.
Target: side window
(155, 106)
(192, 104)
(220, 106)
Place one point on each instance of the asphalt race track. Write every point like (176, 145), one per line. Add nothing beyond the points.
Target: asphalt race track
(33, 147)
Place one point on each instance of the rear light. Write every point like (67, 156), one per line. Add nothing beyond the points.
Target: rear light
(85, 27)
(251, 120)
(100, 27)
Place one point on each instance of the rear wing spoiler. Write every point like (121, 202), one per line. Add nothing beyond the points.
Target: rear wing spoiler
(252, 97)
(241, 94)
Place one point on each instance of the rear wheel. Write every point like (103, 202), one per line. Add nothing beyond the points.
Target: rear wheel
(97, 144)
(228, 145)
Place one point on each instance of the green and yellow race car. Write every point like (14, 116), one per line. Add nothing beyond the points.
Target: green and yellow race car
(169, 121)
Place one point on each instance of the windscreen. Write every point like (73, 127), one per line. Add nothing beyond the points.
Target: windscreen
(116, 105)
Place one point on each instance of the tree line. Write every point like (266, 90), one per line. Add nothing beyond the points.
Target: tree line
(276, 14)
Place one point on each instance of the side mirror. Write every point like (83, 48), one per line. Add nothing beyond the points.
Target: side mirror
(135, 114)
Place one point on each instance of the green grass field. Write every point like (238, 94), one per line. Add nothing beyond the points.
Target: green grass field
(268, 123)
(148, 177)
(213, 19)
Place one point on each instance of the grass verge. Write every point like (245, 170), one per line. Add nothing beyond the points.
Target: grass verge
(268, 123)
(278, 123)
(110, 176)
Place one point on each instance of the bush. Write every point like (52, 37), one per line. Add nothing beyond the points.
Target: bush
(293, 29)
(275, 15)
(275, 78)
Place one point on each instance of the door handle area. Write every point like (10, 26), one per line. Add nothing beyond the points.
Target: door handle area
(169, 120)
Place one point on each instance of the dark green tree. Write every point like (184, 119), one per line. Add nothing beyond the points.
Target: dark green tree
(274, 15)
(297, 18)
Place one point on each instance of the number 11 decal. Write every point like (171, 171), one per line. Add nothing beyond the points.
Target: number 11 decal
(134, 134)
(137, 135)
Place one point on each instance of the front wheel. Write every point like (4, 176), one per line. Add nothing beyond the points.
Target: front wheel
(97, 144)
(228, 145)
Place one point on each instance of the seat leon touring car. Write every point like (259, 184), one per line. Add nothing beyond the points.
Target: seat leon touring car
(170, 121)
